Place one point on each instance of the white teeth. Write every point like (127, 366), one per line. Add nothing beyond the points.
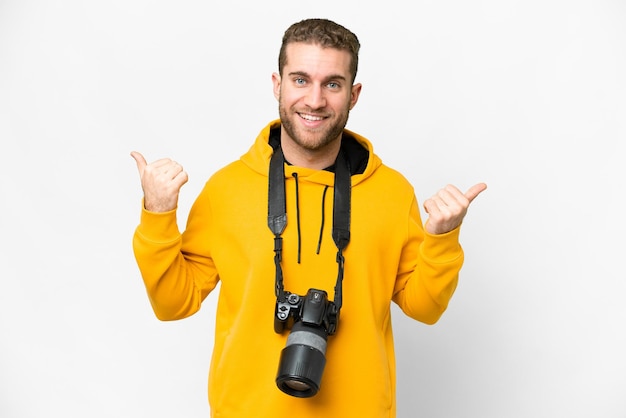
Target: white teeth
(311, 117)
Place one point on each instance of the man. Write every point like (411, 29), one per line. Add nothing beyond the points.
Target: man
(335, 220)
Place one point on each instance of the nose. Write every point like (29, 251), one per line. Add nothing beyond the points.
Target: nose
(315, 97)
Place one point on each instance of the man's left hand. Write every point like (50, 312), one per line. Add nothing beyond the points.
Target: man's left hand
(448, 207)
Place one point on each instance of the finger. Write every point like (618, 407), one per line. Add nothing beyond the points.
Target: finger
(173, 169)
(434, 205)
(451, 196)
(164, 164)
(428, 205)
(140, 160)
(475, 190)
(181, 178)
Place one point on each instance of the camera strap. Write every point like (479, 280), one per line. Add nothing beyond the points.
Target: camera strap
(277, 216)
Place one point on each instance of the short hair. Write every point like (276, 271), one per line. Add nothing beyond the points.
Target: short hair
(325, 33)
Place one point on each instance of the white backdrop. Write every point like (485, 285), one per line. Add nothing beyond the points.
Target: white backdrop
(528, 96)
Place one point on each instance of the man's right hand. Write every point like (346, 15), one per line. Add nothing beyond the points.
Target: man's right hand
(161, 181)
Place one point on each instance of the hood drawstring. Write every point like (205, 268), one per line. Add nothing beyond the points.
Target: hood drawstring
(319, 242)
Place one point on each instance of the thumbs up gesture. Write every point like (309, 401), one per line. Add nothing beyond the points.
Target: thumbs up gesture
(161, 181)
(448, 207)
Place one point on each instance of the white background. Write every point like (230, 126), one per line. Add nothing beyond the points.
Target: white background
(527, 96)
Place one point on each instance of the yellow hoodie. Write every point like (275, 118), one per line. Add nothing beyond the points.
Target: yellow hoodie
(227, 240)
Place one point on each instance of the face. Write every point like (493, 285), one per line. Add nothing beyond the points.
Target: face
(315, 95)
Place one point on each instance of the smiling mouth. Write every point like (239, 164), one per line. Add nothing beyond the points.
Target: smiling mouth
(311, 118)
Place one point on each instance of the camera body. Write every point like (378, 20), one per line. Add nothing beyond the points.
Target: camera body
(314, 309)
(312, 319)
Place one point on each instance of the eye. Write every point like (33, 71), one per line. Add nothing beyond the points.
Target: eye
(300, 81)
(333, 85)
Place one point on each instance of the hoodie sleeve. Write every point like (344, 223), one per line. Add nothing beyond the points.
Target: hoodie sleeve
(176, 268)
(428, 270)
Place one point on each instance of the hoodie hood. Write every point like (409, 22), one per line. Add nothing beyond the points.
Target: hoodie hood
(259, 155)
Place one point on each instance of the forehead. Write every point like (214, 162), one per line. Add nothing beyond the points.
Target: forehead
(313, 59)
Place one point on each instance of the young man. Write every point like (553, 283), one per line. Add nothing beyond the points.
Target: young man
(309, 268)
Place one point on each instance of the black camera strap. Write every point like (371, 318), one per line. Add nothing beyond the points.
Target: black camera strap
(277, 216)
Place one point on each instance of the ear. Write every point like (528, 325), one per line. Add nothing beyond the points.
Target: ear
(276, 82)
(354, 94)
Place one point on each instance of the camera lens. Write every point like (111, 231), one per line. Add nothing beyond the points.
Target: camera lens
(302, 361)
(297, 385)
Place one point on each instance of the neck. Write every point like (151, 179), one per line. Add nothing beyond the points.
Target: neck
(317, 159)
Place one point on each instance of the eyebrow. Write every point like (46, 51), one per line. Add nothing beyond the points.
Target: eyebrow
(329, 78)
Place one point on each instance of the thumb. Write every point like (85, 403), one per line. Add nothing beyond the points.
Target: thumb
(141, 162)
(475, 190)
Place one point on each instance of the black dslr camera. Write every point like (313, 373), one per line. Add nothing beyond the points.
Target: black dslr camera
(312, 319)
